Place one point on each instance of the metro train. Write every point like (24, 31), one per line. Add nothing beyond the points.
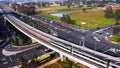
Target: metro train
(75, 51)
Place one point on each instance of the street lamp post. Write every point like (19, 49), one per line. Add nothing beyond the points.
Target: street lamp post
(108, 63)
(80, 43)
(83, 42)
(83, 23)
(10, 58)
(72, 50)
(95, 46)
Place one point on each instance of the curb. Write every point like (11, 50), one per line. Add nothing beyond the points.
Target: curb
(33, 44)
(110, 41)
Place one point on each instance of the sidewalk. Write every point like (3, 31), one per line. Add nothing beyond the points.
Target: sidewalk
(13, 52)
(19, 48)
(49, 63)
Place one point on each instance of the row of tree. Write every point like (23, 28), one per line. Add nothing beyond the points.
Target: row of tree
(24, 8)
(18, 36)
(36, 24)
(1, 29)
(110, 14)
(116, 15)
(24, 63)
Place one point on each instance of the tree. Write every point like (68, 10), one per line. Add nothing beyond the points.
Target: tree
(109, 12)
(63, 18)
(69, 4)
(15, 40)
(44, 4)
(67, 19)
(83, 9)
(116, 30)
(22, 61)
(33, 58)
(117, 15)
(26, 9)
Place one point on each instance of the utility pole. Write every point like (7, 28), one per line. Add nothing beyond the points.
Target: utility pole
(72, 50)
(108, 63)
(4, 21)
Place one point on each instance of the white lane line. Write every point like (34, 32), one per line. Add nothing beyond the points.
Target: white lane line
(10, 58)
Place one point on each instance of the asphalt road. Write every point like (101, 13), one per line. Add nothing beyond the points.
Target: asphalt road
(10, 61)
(73, 35)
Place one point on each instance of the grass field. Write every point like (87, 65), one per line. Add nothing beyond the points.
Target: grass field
(92, 18)
(115, 38)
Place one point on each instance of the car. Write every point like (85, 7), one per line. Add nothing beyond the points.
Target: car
(38, 47)
(47, 50)
(69, 31)
(3, 59)
(97, 27)
(5, 62)
(109, 28)
(100, 32)
(56, 28)
(51, 22)
(55, 34)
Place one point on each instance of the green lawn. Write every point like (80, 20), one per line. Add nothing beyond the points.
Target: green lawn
(115, 38)
(92, 18)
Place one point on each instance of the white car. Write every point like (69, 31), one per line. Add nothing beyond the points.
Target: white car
(46, 50)
(3, 59)
(5, 62)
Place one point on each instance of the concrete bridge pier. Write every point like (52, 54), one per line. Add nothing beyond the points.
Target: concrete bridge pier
(63, 58)
(5, 21)
(33, 41)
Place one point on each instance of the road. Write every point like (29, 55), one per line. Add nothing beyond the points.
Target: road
(74, 36)
(44, 38)
(11, 60)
